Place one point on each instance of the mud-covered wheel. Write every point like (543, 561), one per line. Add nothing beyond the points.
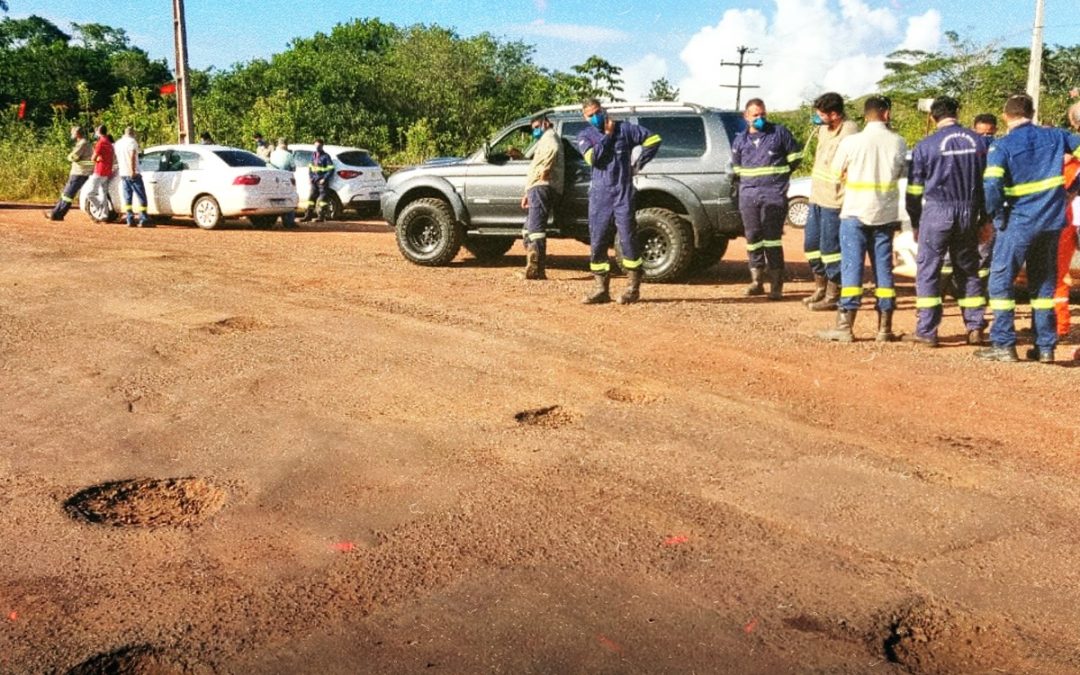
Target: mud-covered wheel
(207, 212)
(333, 210)
(427, 233)
(666, 241)
(100, 210)
(488, 248)
(262, 222)
(798, 212)
(710, 254)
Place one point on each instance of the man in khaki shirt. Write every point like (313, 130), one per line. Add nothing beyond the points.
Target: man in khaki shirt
(542, 190)
(821, 238)
(82, 165)
(869, 165)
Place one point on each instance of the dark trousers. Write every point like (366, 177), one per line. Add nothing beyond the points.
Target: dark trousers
(948, 233)
(67, 196)
(856, 240)
(1016, 245)
(611, 211)
(317, 198)
(821, 242)
(133, 186)
(541, 203)
(763, 220)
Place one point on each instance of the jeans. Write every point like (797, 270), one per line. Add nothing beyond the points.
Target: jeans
(1015, 246)
(133, 185)
(856, 240)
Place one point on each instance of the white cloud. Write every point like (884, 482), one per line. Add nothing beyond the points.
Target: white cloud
(806, 47)
(570, 32)
(638, 77)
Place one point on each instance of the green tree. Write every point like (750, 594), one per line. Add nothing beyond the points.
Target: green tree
(602, 79)
(662, 90)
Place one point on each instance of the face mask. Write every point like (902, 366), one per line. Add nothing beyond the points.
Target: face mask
(989, 138)
(318, 148)
(597, 120)
(816, 119)
(759, 124)
(538, 132)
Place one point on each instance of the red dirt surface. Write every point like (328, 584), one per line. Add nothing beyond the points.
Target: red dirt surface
(452, 470)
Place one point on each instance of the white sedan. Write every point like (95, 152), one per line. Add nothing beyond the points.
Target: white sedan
(206, 182)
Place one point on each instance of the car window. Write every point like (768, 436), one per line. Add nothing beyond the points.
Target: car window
(188, 161)
(357, 158)
(733, 124)
(513, 145)
(571, 129)
(152, 161)
(682, 136)
(240, 158)
(302, 158)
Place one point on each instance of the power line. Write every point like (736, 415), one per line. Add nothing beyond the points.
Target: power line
(743, 51)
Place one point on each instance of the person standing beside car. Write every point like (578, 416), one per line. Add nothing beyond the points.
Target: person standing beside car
(282, 158)
(945, 203)
(262, 148)
(127, 162)
(1067, 244)
(82, 165)
(320, 170)
(763, 157)
(821, 238)
(98, 185)
(607, 146)
(543, 188)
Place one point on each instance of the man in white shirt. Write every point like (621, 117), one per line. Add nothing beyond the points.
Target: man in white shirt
(869, 165)
(127, 161)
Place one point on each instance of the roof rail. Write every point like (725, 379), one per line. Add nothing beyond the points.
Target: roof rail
(634, 106)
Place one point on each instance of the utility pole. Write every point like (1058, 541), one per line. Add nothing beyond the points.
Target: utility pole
(183, 88)
(743, 51)
(1034, 83)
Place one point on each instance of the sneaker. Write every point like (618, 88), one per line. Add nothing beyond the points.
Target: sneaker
(1036, 354)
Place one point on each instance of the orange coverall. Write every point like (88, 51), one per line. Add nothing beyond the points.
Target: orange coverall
(1066, 248)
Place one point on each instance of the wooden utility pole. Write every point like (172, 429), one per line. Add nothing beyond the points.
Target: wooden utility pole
(1034, 83)
(743, 51)
(183, 88)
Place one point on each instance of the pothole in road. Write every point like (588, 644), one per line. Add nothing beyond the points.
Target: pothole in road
(625, 395)
(148, 502)
(551, 417)
(927, 639)
(140, 660)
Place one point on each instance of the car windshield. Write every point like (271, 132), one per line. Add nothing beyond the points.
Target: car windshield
(240, 158)
(356, 158)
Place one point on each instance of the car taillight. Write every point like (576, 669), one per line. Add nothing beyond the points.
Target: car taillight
(247, 179)
(349, 174)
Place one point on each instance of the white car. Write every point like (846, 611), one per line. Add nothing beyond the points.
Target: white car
(357, 183)
(207, 182)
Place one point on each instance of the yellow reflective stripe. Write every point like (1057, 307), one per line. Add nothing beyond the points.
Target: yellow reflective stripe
(885, 293)
(946, 269)
(794, 156)
(994, 172)
(830, 258)
(983, 274)
(972, 303)
(1002, 305)
(600, 267)
(140, 209)
(763, 171)
(773, 243)
(67, 199)
(871, 187)
(927, 303)
(813, 255)
(755, 247)
(536, 236)
(850, 291)
(588, 156)
(827, 176)
(632, 264)
(1042, 303)
(651, 141)
(1024, 189)
(1077, 153)
(916, 190)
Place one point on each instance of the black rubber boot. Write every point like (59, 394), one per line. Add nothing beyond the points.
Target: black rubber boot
(600, 293)
(633, 288)
(776, 284)
(845, 318)
(309, 215)
(884, 328)
(534, 267)
(1001, 354)
(1036, 354)
(829, 301)
(820, 284)
(757, 282)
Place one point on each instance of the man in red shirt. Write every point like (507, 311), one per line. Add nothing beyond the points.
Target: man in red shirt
(98, 185)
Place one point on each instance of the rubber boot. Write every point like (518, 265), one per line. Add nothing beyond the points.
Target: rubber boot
(633, 288)
(1000, 354)
(600, 293)
(757, 282)
(820, 284)
(829, 301)
(845, 318)
(309, 215)
(884, 327)
(776, 284)
(534, 268)
(1036, 354)
(975, 337)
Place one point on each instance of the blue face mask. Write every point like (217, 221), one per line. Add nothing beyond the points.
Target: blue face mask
(538, 132)
(597, 120)
(816, 119)
(759, 124)
(989, 138)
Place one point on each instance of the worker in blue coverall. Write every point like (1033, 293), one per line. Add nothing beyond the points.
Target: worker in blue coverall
(762, 159)
(320, 170)
(945, 202)
(607, 145)
(1025, 195)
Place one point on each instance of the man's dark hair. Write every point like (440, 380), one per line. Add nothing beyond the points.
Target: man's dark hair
(590, 102)
(985, 118)
(830, 102)
(319, 141)
(539, 118)
(754, 102)
(1020, 105)
(103, 130)
(877, 106)
(944, 107)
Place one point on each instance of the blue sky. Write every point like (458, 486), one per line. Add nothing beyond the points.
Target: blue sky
(680, 39)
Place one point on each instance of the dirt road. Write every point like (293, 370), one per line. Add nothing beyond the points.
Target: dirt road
(398, 469)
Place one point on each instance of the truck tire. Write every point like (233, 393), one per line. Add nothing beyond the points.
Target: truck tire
(488, 248)
(667, 244)
(711, 254)
(333, 208)
(427, 233)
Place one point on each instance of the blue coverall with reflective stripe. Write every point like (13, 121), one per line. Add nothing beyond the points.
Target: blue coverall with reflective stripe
(763, 163)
